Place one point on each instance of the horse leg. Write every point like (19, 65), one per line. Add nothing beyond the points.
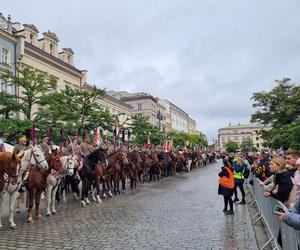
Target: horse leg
(86, 193)
(37, 204)
(54, 192)
(48, 197)
(83, 192)
(31, 198)
(103, 189)
(123, 183)
(2, 198)
(98, 190)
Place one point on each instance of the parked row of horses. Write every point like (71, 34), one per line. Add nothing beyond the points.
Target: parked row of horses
(84, 177)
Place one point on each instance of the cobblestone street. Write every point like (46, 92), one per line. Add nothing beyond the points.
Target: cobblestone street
(182, 212)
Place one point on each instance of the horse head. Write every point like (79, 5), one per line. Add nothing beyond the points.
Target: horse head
(37, 158)
(69, 162)
(10, 163)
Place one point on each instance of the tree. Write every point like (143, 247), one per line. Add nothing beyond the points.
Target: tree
(76, 110)
(33, 87)
(180, 138)
(279, 108)
(247, 146)
(142, 128)
(231, 146)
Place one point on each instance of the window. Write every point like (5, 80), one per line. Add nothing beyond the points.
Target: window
(257, 138)
(31, 38)
(4, 56)
(51, 48)
(257, 145)
(139, 106)
(3, 86)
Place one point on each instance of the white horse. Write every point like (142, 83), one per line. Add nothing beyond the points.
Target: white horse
(55, 178)
(32, 157)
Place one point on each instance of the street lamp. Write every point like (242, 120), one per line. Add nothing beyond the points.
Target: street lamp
(160, 118)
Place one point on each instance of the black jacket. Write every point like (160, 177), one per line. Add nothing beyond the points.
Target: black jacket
(285, 185)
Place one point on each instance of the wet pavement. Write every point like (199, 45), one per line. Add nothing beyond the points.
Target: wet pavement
(182, 212)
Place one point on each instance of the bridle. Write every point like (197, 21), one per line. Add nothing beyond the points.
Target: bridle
(36, 160)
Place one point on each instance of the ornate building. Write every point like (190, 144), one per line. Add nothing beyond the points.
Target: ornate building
(239, 133)
(8, 48)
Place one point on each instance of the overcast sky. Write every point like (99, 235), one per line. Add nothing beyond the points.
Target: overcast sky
(207, 57)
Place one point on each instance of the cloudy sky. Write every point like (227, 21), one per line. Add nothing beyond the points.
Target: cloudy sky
(206, 56)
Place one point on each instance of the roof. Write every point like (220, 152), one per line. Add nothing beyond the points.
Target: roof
(29, 45)
(31, 26)
(241, 126)
(133, 98)
(52, 35)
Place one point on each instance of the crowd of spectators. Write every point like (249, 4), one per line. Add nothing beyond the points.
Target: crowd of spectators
(277, 173)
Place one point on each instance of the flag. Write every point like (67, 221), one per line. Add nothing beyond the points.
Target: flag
(33, 135)
(97, 136)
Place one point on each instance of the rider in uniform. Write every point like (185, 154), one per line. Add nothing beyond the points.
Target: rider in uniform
(85, 147)
(44, 145)
(74, 145)
(21, 145)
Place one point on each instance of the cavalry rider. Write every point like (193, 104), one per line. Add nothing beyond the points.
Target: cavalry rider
(21, 145)
(44, 145)
(85, 147)
(74, 146)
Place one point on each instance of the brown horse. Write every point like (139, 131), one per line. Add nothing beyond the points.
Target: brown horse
(112, 173)
(37, 181)
(149, 160)
(131, 170)
(9, 164)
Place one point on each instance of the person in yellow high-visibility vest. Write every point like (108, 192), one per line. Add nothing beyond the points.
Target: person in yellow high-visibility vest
(239, 169)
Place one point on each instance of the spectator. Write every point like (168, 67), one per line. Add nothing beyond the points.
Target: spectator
(292, 216)
(226, 185)
(282, 180)
(291, 157)
(261, 168)
(239, 169)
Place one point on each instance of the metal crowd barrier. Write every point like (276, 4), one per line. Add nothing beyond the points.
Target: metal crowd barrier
(290, 238)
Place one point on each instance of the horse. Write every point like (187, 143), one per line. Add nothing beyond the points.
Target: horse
(36, 184)
(88, 168)
(116, 161)
(54, 180)
(131, 170)
(9, 164)
(30, 157)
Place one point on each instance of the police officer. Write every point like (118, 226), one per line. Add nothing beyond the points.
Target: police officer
(21, 145)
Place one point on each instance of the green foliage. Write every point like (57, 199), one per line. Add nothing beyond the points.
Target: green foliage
(247, 146)
(180, 138)
(10, 128)
(279, 108)
(142, 128)
(77, 109)
(231, 147)
(33, 87)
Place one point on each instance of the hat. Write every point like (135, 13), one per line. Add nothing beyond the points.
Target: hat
(23, 138)
(45, 137)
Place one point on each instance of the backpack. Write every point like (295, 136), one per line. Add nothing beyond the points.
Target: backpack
(246, 172)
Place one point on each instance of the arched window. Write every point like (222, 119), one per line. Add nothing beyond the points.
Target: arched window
(51, 48)
(31, 38)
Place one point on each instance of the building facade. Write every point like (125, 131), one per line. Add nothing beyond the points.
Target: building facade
(179, 119)
(192, 126)
(41, 52)
(8, 50)
(239, 133)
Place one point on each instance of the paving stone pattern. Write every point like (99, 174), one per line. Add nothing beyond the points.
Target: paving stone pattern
(182, 212)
